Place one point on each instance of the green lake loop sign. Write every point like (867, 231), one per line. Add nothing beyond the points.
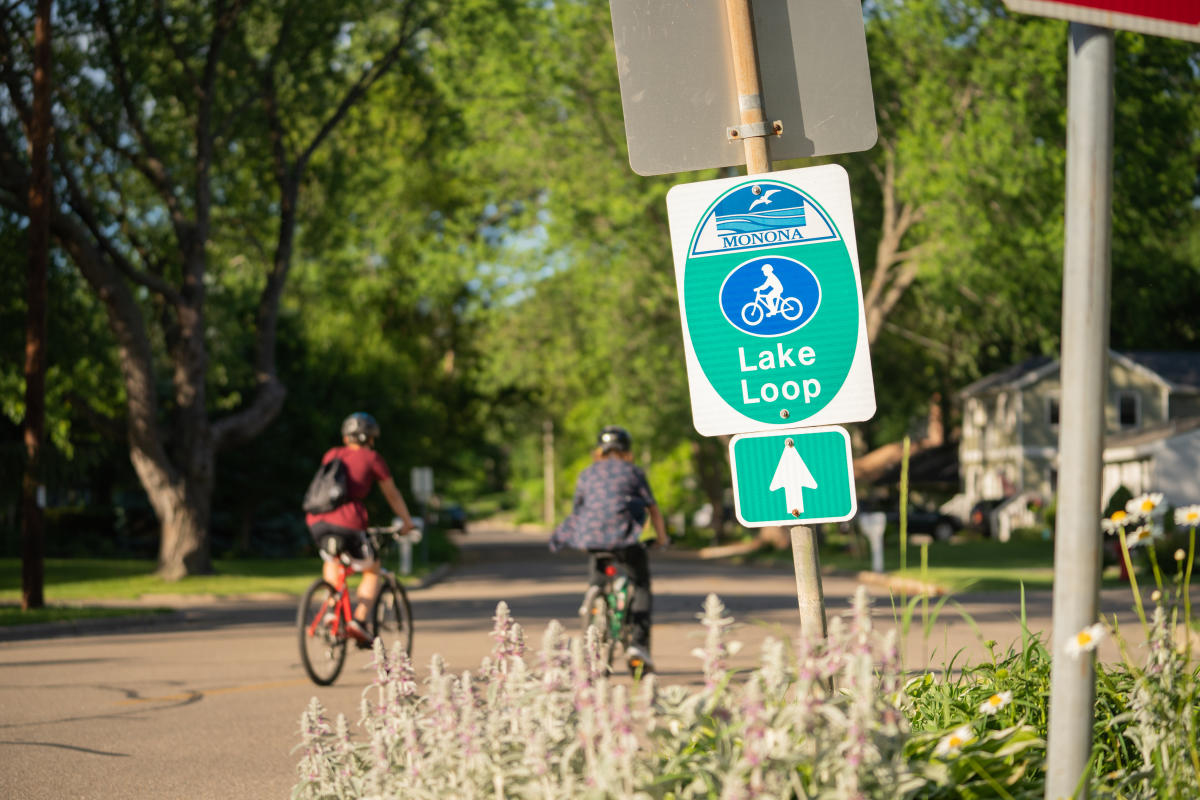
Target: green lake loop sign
(797, 477)
(770, 299)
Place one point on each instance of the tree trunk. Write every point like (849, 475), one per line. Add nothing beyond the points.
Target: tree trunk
(710, 458)
(183, 505)
(33, 526)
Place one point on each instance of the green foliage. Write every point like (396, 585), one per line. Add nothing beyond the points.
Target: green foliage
(473, 255)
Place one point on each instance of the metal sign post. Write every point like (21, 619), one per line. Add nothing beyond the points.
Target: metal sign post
(1085, 320)
(753, 130)
(753, 133)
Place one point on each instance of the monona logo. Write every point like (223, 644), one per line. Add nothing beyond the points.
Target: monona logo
(762, 214)
(770, 296)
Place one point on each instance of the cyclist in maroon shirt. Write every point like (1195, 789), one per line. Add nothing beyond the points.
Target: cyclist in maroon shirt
(347, 523)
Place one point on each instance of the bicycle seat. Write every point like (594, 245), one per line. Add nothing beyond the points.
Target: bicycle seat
(332, 550)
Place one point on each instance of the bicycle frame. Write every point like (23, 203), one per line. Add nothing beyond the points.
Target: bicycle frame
(347, 566)
(341, 603)
(616, 602)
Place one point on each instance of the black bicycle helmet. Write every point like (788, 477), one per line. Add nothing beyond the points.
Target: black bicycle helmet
(360, 427)
(614, 439)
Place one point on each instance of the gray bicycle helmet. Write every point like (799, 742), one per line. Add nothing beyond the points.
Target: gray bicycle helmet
(360, 427)
(614, 439)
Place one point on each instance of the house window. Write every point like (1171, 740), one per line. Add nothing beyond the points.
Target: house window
(979, 414)
(1128, 410)
(1052, 412)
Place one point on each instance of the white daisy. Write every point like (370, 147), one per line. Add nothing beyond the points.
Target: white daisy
(995, 703)
(953, 742)
(1144, 534)
(1119, 519)
(1085, 641)
(1188, 516)
(1144, 504)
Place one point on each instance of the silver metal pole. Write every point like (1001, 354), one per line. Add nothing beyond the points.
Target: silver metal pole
(1084, 368)
(809, 593)
(548, 473)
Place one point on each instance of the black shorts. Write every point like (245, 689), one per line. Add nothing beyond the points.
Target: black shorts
(334, 539)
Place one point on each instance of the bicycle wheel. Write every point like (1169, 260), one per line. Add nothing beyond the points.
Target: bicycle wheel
(790, 307)
(594, 613)
(752, 313)
(391, 616)
(321, 651)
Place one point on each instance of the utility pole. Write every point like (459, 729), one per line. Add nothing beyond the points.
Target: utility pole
(1084, 378)
(33, 524)
(548, 472)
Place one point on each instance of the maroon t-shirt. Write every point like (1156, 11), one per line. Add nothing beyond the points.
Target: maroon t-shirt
(364, 468)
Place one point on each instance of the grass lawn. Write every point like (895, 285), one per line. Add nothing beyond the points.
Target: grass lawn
(75, 579)
(13, 615)
(962, 565)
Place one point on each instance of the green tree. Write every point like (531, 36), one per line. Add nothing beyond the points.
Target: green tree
(181, 136)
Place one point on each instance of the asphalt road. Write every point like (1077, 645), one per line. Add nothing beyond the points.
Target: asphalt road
(208, 706)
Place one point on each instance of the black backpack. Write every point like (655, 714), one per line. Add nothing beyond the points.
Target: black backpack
(328, 489)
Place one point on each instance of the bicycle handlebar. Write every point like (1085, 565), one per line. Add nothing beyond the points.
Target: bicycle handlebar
(414, 533)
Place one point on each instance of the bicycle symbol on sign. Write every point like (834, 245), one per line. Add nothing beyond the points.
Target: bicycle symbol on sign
(769, 301)
(760, 307)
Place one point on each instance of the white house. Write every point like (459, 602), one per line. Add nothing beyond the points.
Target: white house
(1009, 445)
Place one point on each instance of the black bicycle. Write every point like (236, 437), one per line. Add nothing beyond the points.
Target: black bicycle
(326, 609)
(605, 608)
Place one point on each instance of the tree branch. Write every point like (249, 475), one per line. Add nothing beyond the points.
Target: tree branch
(361, 86)
(151, 165)
(79, 204)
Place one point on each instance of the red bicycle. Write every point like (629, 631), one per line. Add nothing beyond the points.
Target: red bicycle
(326, 609)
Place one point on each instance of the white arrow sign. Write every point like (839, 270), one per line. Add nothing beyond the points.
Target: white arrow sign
(792, 475)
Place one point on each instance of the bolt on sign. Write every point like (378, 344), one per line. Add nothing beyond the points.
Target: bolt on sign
(771, 301)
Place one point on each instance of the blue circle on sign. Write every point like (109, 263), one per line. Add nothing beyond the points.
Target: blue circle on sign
(770, 296)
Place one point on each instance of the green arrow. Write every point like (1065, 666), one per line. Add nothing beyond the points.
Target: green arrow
(793, 476)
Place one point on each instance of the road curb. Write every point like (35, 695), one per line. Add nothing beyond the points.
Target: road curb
(909, 586)
(189, 604)
(85, 627)
(436, 576)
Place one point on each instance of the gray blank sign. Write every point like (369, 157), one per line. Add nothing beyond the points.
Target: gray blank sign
(678, 92)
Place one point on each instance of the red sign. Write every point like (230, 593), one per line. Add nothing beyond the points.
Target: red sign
(1175, 19)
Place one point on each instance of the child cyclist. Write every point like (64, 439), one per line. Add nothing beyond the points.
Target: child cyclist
(612, 501)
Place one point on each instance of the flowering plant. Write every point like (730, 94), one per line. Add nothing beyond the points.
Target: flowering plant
(836, 718)
(823, 719)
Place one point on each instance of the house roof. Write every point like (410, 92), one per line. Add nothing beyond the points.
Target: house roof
(1166, 430)
(1007, 376)
(1178, 368)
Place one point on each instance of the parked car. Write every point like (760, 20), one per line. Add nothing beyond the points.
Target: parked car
(980, 519)
(927, 520)
(451, 517)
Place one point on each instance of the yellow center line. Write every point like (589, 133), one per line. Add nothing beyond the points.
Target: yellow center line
(253, 687)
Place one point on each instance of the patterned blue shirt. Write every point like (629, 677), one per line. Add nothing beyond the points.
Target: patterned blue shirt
(611, 500)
